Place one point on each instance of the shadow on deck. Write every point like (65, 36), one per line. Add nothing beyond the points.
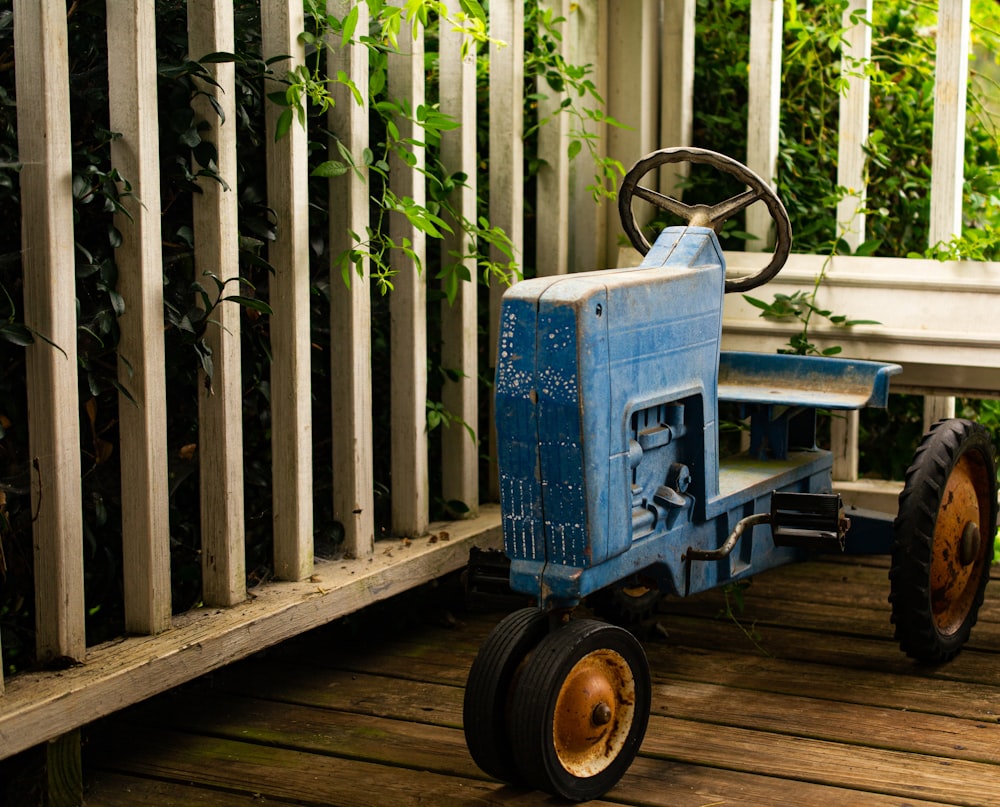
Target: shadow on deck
(823, 711)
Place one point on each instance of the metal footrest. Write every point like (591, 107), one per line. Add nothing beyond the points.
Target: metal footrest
(809, 520)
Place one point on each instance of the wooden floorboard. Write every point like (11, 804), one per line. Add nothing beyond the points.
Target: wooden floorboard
(800, 697)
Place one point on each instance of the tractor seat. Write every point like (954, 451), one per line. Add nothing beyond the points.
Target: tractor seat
(803, 381)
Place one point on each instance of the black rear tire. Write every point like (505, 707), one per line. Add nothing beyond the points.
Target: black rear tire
(943, 540)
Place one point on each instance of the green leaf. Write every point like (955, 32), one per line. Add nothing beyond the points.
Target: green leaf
(330, 168)
(283, 125)
(249, 302)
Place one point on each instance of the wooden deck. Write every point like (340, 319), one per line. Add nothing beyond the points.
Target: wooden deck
(826, 711)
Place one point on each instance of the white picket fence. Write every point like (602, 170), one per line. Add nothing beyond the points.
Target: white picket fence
(641, 51)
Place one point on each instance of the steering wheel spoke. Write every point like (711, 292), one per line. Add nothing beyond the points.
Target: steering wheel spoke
(664, 202)
(713, 216)
(723, 211)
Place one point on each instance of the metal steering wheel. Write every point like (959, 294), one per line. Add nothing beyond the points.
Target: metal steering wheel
(713, 216)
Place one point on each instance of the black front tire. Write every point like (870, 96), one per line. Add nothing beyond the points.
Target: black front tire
(580, 709)
(943, 540)
(487, 691)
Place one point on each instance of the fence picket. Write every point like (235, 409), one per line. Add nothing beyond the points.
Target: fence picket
(766, 18)
(459, 348)
(588, 222)
(408, 302)
(552, 207)
(216, 250)
(43, 128)
(951, 80)
(853, 135)
(506, 165)
(633, 78)
(132, 105)
(287, 176)
(676, 87)
(350, 305)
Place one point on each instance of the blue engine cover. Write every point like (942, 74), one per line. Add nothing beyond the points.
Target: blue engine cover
(605, 386)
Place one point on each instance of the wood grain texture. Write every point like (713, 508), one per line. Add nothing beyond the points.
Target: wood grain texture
(587, 35)
(552, 206)
(829, 713)
(408, 302)
(459, 325)
(766, 20)
(291, 405)
(39, 706)
(216, 251)
(853, 126)
(350, 303)
(48, 263)
(633, 78)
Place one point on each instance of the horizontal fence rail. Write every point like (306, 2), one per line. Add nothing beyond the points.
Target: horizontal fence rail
(646, 80)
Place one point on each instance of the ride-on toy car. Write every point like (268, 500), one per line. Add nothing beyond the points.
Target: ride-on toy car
(607, 392)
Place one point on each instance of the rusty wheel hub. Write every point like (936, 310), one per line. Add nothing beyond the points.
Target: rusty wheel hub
(593, 713)
(958, 547)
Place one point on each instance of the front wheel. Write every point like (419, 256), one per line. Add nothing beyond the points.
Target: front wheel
(943, 540)
(487, 692)
(579, 710)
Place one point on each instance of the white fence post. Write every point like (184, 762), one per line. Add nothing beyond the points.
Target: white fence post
(506, 167)
(350, 305)
(766, 20)
(291, 408)
(459, 334)
(951, 79)
(588, 225)
(676, 87)
(131, 32)
(853, 131)
(216, 250)
(552, 207)
(408, 303)
(633, 83)
(48, 262)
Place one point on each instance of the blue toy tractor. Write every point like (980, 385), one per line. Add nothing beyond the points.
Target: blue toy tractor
(608, 386)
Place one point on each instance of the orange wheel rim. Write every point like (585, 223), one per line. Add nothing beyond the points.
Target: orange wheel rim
(594, 712)
(959, 551)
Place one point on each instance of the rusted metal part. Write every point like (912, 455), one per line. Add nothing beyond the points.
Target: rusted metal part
(730, 543)
(594, 712)
(959, 551)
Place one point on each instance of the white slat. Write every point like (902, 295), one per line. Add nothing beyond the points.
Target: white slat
(850, 216)
(766, 19)
(459, 348)
(287, 176)
(407, 306)
(552, 207)
(853, 133)
(951, 80)
(43, 129)
(506, 167)
(131, 31)
(676, 86)
(350, 306)
(633, 79)
(588, 222)
(216, 250)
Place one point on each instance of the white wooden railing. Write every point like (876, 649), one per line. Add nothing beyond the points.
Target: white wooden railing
(627, 43)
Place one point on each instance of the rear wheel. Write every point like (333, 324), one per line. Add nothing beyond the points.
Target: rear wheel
(943, 540)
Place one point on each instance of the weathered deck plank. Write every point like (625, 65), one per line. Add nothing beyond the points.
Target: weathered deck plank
(833, 714)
